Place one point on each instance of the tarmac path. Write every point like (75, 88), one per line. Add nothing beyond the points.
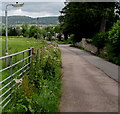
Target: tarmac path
(86, 88)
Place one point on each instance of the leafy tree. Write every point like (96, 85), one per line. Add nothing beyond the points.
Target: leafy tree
(18, 30)
(50, 32)
(24, 30)
(12, 31)
(113, 48)
(57, 30)
(84, 19)
(100, 40)
(3, 31)
(43, 33)
(33, 31)
(114, 38)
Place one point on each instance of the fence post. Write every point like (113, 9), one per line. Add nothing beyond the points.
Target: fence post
(32, 49)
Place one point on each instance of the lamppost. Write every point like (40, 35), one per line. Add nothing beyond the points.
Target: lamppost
(14, 5)
(37, 27)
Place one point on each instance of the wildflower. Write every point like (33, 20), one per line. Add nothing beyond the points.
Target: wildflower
(18, 81)
(46, 51)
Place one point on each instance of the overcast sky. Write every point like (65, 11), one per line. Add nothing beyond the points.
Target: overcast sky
(34, 9)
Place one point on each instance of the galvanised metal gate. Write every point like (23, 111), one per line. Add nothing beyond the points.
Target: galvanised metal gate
(12, 73)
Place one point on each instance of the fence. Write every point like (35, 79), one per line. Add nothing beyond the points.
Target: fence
(12, 72)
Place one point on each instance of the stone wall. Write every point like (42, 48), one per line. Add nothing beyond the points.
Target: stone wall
(87, 46)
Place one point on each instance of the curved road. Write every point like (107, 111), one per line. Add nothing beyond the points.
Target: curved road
(85, 87)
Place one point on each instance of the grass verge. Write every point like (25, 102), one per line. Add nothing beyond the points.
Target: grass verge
(40, 90)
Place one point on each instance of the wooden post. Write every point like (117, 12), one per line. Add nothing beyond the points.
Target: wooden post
(32, 49)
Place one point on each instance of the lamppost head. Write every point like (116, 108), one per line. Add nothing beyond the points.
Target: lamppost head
(17, 5)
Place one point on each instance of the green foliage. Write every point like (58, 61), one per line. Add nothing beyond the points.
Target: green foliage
(84, 19)
(3, 31)
(45, 75)
(46, 33)
(43, 33)
(22, 98)
(41, 88)
(33, 31)
(100, 39)
(72, 38)
(114, 43)
(114, 34)
(110, 41)
(57, 29)
(49, 97)
(24, 31)
(12, 31)
(46, 60)
(68, 41)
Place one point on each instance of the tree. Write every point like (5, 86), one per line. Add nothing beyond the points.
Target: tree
(18, 30)
(50, 32)
(24, 30)
(114, 39)
(3, 31)
(85, 19)
(43, 33)
(58, 31)
(33, 31)
(12, 31)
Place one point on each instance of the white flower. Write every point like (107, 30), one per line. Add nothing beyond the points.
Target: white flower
(18, 81)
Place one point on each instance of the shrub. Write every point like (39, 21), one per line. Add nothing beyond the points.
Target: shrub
(114, 43)
(72, 38)
(100, 39)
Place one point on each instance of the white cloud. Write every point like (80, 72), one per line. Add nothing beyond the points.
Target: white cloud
(34, 9)
(31, 14)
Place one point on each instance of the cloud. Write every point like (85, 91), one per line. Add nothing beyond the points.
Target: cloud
(36, 9)
(42, 6)
(33, 14)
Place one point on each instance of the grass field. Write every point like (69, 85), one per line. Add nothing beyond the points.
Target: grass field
(16, 44)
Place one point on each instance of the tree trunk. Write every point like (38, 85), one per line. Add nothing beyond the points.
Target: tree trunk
(59, 37)
(103, 25)
(65, 36)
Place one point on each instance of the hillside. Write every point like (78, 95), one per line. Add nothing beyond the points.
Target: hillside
(13, 20)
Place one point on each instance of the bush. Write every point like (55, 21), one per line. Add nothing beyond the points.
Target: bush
(114, 43)
(100, 39)
(72, 38)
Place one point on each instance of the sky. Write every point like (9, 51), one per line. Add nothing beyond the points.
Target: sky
(34, 9)
(38, 8)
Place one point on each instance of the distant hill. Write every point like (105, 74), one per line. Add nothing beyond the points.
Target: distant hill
(13, 20)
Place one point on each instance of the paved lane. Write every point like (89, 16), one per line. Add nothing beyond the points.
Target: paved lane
(85, 87)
